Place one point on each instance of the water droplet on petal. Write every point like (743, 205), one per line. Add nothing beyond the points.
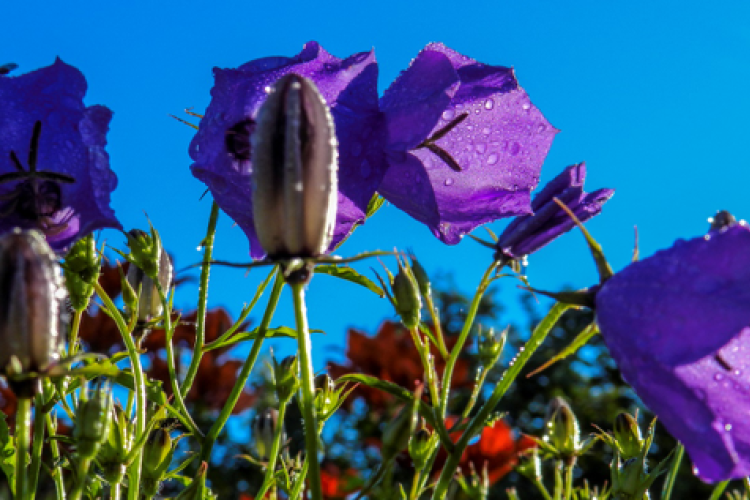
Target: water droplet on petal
(481, 148)
(489, 104)
(718, 377)
(486, 131)
(448, 115)
(727, 427)
(526, 106)
(449, 181)
(541, 128)
(492, 159)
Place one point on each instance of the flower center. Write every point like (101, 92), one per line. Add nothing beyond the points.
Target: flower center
(237, 139)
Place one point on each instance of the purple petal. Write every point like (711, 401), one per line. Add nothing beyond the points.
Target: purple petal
(499, 146)
(350, 89)
(678, 325)
(72, 141)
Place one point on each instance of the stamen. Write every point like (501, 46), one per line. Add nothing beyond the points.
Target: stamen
(448, 127)
(34, 146)
(444, 155)
(722, 362)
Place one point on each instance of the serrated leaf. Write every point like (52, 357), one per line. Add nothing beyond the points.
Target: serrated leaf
(349, 274)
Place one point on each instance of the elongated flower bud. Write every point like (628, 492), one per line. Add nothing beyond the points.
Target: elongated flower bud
(295, 159)
(265, 425)
(149, 303)
(30, 294)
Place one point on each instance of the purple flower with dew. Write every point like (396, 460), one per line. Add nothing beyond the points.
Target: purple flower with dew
(528, 233)
(678, 326)
(54, 170)
(464, 143)
(221, 148)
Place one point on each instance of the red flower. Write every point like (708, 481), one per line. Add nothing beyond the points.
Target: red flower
(338, 484)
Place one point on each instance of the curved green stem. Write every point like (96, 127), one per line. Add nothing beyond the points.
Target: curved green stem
(83, 472)
(226, 411)
(436, 324)
(200, 327)
(23, 426)
(268, 480)
(55, 452)
(569, 480)
(36, 447)
(308, 391)
(115, 491)
(134, 474)
(468, 323)
(74, 327)
(674, 470)
(477, 422)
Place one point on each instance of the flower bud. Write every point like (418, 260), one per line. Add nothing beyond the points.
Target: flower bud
(157, 453)
(113, 452)
(197, 489)
(490, 346)
(81, 270)
(420, 448)
(627, 436)
(562, 428)
(420, 275)
(93, 419)
(145, 278)
(295, 159)
(285, 376)
(406, 297)
(326, 397)
(30, 294)
(397, 434)
(265, 425)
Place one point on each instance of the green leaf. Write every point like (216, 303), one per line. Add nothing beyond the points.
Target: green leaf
(571, 349)
(349, 274)
(281, 331)
(376, 202)
(7, 451)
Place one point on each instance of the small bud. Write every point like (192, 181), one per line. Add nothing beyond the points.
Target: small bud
(295, 160)
(562, 428)
(113, 451)
(285, 375)
(326, 397)
(721, 220)
(406, 297)
(627, 436)
(420, 448)
(93, 419)
(139, 278)
(490, 346)
(420, 275)
(197, 489)
(81, 270)
(30, 293)
(397, 434)
(265, 425)
(156, 452)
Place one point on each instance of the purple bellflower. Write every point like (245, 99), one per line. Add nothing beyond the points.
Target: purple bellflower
(678, 326)
(221, 149)
(528, 233)
(464, 143)
(54, 170)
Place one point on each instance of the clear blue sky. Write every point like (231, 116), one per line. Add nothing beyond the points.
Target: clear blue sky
(653, 95)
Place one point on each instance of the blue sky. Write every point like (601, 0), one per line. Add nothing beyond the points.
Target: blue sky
(651, 94)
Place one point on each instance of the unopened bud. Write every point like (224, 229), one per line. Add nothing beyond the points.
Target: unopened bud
(326, 397)
(285, 376)
(490, 346)
(81, 271)
(420, 448)
(149, 301)
(627, 436)
(30, 293)
(420, 275)
(562, 428)
(406, 297)
(397, 434)
(156, 453)
(265, 425)
(197, 489)
(295, 160)
(93, 419)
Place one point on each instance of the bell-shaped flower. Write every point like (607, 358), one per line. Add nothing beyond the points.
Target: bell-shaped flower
(528, 233)
(464, 143)
(678, 326)
(54, 170)
(221, 149)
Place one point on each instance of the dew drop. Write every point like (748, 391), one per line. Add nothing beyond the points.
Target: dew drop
(481, 148)
(492, 159)
(448, 115)
(696, 471)
(489, 104)
(727, 427)
(526, 106)
(718, 377)
(486, 131)
(449, 181)
(541, 128)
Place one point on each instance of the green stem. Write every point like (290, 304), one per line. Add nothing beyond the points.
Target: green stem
(115, 491)
(673, 471)
(436, 324)
(475, 393)
(718, 490)
(74, 332)
(468, 323)
(55, 452)
(36, 447)
(308, 391)
(268, 480)
(200, 327)
(415, 486)
(746, 482)
(239, 386)
(134, 474)
(569, 480)
(83, 472)
(23, 426)
(542, 489)
(476, 423)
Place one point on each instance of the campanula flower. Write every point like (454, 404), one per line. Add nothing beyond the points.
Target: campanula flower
(464, 143)
(54, 170)
(528, 233)
(221, 149)
(678, 326)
